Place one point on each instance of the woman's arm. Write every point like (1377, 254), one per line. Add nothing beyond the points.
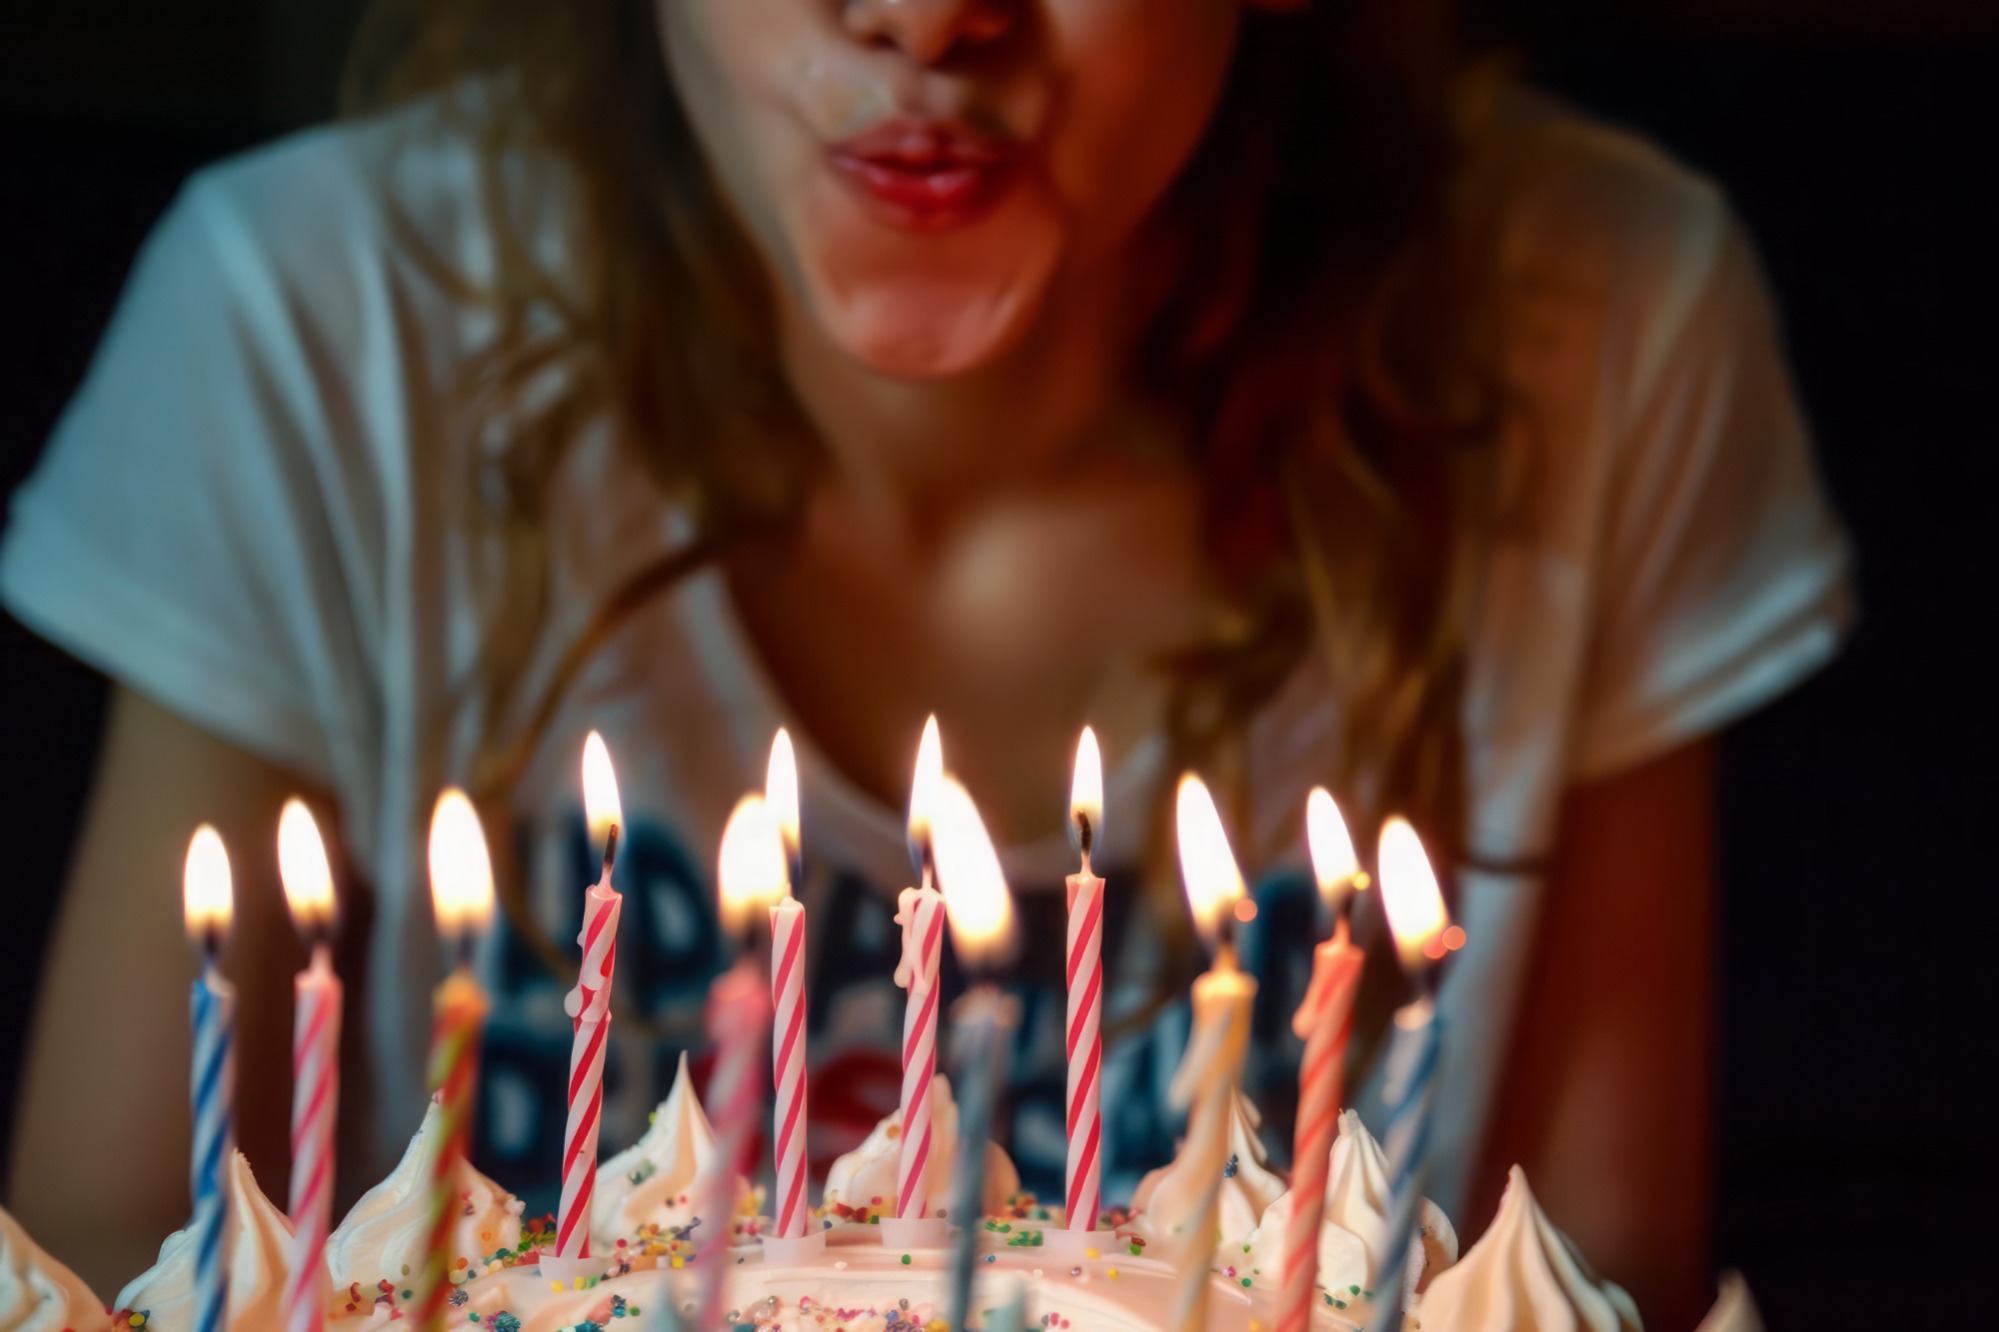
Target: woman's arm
(100, 1154)
(1607, 1102)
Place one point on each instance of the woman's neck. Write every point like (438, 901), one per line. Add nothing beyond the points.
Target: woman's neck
(920, 454)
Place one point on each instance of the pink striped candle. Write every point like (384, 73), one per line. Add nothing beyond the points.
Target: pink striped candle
(738, 1016)
(787, 989)
(921, 916)
(1083, 1197)
(589, 1009)
(1325, 1022)
(308, 884)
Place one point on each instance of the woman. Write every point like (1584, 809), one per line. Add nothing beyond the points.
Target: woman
(1234, 375)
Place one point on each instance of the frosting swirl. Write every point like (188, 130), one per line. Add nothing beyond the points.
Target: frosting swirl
(39, 1294)
(383, 1236)
(651, 1182)
(1249, 1186)
(865, 1177)
(259, 1242)
(1353, 1232)
(1524, 1273)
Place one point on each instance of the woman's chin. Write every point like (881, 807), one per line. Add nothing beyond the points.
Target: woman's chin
(910, 326)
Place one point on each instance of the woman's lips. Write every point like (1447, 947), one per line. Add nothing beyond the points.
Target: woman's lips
(925, 175)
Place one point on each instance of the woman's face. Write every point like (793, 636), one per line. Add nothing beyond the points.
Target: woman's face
(919, 174)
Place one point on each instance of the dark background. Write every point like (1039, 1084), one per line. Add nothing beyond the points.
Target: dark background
(1858, 139)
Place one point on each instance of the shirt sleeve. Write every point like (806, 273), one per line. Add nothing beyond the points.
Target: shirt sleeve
(179, 533)
(1723, 575)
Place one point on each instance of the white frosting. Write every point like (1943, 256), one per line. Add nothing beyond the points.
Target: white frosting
(258, 1240)
(1524, 1273)
(384, 1235)
(1352, 1235)
(1165, 1197)
(39, 1294)
(652, 1181)
(866, 1176)
(1735, 1311)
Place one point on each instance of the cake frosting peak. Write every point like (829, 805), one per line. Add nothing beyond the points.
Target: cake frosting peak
(1166, 1197)
(39, 1294)
(258, 1241)
(864, 1180)
(383, 1235)
(1352, 1232)
(1524, 1273)
(651, 1182)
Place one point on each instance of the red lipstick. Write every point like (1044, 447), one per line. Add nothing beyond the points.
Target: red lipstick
(925, 175)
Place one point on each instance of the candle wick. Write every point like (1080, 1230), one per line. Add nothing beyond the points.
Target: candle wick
(461, 947)
(610, 851)
(1085, 836)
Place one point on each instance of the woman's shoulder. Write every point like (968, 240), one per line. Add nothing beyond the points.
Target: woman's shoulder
(1592, 209)
(415, 194)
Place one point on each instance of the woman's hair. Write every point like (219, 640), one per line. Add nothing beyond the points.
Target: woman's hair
(1330, 351)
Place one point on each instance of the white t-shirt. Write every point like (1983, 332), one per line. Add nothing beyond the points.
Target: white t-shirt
(255, 513)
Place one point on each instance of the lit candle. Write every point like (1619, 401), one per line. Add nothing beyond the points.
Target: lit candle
(1083, 1197)
(787, 992)
(982, 930)
(1416, 917)
(920, 912)
(589, 1009)
(751, 878)
(207, 903)
(1212, 1067)
(461, 894)
(1325, 1022)
(308, 884)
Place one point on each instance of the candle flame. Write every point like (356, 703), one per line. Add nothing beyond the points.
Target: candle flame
(1207, 866)
(461, 873)
(781, 789)
(1086, 793)
(600, 789)
(206, 899)
(1334, 864)
(923, 792)
(1409, 894)
(751, 870)
(976, 902)
(302, 868)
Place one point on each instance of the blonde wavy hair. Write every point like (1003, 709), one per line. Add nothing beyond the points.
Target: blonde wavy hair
(1337, 362)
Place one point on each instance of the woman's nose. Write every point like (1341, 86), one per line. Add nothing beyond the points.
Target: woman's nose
(928, 30)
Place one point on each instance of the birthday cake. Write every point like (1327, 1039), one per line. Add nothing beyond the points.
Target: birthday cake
(1522, 1274)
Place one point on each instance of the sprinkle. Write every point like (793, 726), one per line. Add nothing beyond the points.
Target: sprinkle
(1089, 1253)
(905, 1260)
(1113, 1274)
(992, 1257)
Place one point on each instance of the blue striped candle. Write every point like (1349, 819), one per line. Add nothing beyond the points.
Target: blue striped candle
(214, 1014)
(207, 902)
(1414, 904)
(1409, 1090)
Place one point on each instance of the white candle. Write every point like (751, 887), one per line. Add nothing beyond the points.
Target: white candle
(1212, 1067)
(461, 893)
(308, 884)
